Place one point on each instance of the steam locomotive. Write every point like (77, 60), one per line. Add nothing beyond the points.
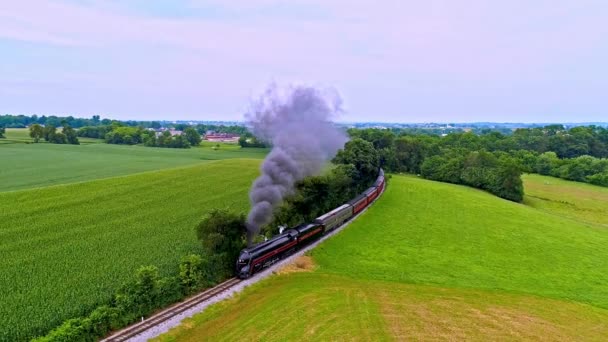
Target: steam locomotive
(262, 255)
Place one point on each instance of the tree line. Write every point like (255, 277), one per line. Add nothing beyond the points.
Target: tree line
(494, 161)
(49, 134)
(120, 134)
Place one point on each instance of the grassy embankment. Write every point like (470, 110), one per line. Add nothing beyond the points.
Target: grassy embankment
(44, 164)
(433, 261)
(67, 248)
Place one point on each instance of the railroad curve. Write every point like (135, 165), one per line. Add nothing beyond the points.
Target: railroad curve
(172, 316)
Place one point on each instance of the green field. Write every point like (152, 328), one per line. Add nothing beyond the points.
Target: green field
(36, 165)
(575, 200)
(67, 248)
(434, 261)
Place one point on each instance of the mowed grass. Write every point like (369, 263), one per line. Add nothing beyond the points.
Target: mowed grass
(37, 165)
(324, 307)
(432, 261)
(436, 233)
(67, 248)
(580, 201)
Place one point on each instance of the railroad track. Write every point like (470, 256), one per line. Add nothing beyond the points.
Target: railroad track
(176, 309)
(170, 312)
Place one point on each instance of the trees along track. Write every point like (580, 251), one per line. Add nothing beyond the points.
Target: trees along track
(172, 316)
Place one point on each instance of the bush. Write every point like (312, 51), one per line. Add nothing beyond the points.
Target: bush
(599, 179)
(77, 329)
(193, 273)
(222, 234)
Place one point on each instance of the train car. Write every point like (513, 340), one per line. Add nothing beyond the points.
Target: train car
(371, 194)
(380, 181)
(335, 217)
(256, 258)
(308, 232)
(253, 259)
(358, 203)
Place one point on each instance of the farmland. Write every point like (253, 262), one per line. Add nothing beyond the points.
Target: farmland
(67, 248)
(432, 260)
(43, 164)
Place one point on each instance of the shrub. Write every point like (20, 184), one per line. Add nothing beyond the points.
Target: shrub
(193, 273)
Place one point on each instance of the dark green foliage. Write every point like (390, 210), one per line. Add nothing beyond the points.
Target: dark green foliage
(316, 196)
(124, 136)
(507, 182)
(599, 178)
(96, 132)
(222, 234)
(134, 300)
(409, 154)
(194, 273)
(70, 135)
(363, 156)
(2, 132)
(77, 329)
(482, 170)
(22, 121)
(58, 138)
(165, 139)
(49, 132)
(572, 154)
(36, 132)
(546, 162)
(249, 140)
(192, 136)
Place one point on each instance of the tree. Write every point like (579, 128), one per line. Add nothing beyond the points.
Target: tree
(49, 132)
(222, 234)
(123, 135)
(410, 153)
(36, 132)
(362, 155)
(546, 162)
(192, 136)
(70, 135)
(507, 182)
(2, 132)
(58, 138)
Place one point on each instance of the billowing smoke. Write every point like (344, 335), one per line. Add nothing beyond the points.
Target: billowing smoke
(297, 122)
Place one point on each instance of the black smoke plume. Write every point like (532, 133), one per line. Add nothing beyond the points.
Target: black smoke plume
(297, 122)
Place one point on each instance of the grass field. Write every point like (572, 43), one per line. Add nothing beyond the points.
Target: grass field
(436, 261)
(22, 136)
(579, 201)
(38, 165)
(66, 248)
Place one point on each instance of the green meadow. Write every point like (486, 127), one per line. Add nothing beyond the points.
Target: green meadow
(67, 248)
(574, 200)
(432, 261)
(44, 164)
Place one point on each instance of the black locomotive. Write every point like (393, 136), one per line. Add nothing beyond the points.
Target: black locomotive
(260, 256)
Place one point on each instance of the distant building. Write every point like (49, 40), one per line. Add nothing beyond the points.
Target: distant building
(172, 131)
(222, 137)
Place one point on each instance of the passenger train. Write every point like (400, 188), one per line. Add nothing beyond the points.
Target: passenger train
(262, 255)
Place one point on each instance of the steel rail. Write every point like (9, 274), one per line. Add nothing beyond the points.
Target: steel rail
(170, 312)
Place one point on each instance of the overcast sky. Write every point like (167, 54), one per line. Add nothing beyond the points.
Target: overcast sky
(397, 61)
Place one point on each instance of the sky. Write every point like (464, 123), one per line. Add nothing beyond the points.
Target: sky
(391, 61)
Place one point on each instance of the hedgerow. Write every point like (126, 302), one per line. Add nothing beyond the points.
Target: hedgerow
(138, 298)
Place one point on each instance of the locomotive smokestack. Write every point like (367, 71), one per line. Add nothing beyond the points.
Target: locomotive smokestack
(297, 122)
